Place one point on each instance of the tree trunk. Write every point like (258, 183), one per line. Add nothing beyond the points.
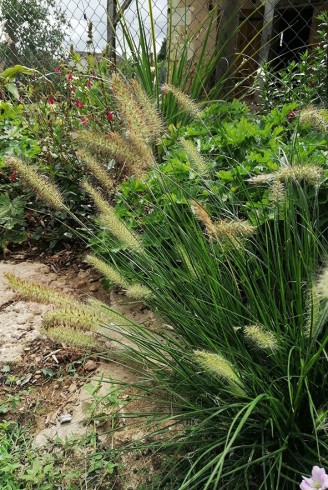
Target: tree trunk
(228, 30)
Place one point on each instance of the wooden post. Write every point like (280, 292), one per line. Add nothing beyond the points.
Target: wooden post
(228, 30)
(269, 10)
(111, 28)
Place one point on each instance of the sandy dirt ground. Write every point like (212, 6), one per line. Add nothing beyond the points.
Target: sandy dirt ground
(60, 400)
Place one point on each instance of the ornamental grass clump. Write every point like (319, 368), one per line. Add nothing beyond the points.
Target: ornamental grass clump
(240, 361)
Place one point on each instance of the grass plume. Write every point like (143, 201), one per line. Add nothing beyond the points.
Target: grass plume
(260, 338)
(219, 367)
(43, 188)
(195, 156)
(96, 169)
(185, 103)
(39, 293)
(73, 338)
(109, 272)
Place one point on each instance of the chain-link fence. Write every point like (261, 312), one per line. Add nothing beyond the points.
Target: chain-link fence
(37, 32)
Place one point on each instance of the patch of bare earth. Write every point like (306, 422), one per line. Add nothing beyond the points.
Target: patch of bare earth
(56, 390)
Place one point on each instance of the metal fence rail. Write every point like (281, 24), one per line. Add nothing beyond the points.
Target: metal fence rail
(37, 32)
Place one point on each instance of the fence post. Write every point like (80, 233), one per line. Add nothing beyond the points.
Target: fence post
(111, 28)
(227, 42)
(267, 30)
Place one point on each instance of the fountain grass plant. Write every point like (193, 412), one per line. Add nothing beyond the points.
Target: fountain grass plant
(239, 367)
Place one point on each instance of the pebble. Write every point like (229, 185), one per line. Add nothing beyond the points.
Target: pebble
(72, 388)
(90, 366)
(94, 288)
(65, 418)
(81, 284)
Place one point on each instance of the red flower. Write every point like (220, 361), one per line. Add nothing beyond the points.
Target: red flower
(78, 103)
(292, 115)
(70, 77)
(84, 120)
(51, 100)
(13, 176)
(74, 89)
(110, 116)
(88, 84)
(57, 70)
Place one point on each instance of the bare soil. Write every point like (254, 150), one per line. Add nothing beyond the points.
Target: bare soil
(47, 386)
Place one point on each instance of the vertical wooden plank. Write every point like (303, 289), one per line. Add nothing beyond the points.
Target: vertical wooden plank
(111, 34)
(227, 42)
(266, 36)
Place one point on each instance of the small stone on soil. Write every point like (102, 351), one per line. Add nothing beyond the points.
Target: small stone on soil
(90, 365)
(65, 418)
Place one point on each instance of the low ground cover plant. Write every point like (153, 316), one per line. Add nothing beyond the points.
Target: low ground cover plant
(239, 366)
(71, 464)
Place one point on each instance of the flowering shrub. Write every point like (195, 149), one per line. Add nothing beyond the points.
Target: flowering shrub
(39, 129)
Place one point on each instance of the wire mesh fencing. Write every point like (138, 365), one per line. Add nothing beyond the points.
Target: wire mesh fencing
(36, 33)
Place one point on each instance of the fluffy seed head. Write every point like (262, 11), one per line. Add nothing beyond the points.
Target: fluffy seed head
(111, 221)
(261, 179)
(44, 189)
(277, 193)
(109, 272)
(234, 229)
(129, 107)
(138, 291)
(100, 202)
(194, 156)
(151, 115)
(262, 339)
(96, 169)
(183, 100)
(310, 174)
(322, 285)
(110, 146)
(203, 216)
(83, 318)
(72, 337)
(218, 366)
(39, 293)
(312, 309)
(317, 118)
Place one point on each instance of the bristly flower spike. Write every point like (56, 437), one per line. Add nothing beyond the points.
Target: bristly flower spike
(194, 156)
(262, 339)
(72, 337)
(109, 272)
(183, 100)
(219, 367)
(44, 189)
(113, 224)
(203, 216)
(96, 169)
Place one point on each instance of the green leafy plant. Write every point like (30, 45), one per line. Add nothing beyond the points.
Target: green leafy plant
(302, 82)
(72, 463)
(12, 220)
